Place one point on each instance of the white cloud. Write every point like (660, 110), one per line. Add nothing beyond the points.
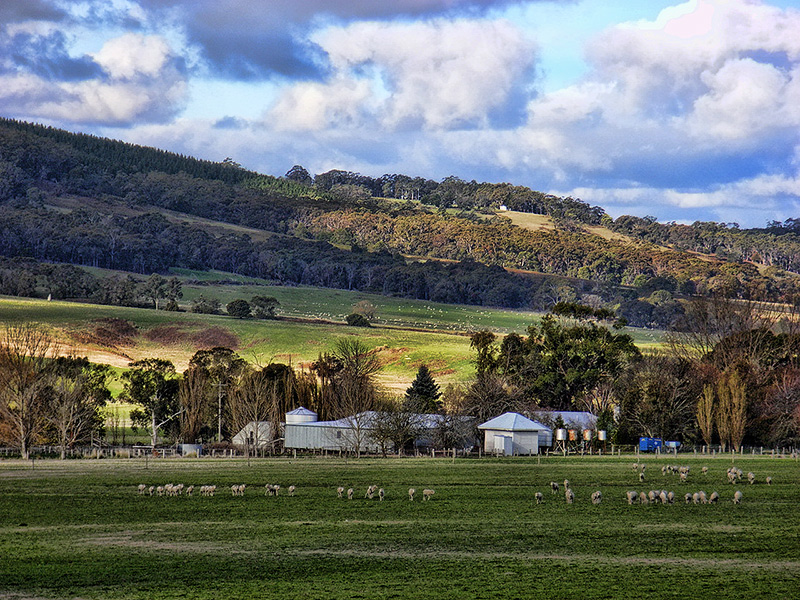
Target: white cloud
(142, 81)
(435, 75)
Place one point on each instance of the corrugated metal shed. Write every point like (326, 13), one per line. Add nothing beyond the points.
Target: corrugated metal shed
(524, 433)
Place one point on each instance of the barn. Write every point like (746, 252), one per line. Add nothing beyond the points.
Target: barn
(512, 434)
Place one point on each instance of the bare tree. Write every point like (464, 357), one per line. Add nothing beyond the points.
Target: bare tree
(195, 395)
(249, 402)
(71, 412)
(705, 413)
(24, 354)
(732, 411)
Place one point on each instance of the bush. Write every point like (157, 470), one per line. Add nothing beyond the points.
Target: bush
(357, 320)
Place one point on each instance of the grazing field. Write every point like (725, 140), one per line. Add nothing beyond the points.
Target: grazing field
(80, 529)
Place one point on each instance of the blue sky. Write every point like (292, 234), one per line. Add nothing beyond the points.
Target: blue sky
(681, 110)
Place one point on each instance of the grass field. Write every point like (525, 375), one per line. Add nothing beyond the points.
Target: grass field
(79, 529)
(410, 333)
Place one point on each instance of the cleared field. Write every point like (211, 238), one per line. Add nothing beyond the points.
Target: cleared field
(80, 529)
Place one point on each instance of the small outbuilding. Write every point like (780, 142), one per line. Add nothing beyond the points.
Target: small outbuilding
(256, 434)
(512, 434)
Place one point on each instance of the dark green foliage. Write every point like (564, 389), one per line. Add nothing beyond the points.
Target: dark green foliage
(357, 320)
(423, 394)
(238, 308)
(264, 307)
(205, 306)
(152, 384)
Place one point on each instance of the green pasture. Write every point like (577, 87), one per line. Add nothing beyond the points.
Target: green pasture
(79, 528)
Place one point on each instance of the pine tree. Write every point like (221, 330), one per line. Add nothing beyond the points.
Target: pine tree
(423, 395)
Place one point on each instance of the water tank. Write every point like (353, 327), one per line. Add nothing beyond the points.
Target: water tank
(561, 435)
(601, 435)
(573, 435)
(587, 435)
(301, 415)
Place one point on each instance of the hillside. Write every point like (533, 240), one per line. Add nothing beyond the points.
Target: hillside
(76, 199)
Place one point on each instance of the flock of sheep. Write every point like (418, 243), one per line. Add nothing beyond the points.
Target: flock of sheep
(734, 475)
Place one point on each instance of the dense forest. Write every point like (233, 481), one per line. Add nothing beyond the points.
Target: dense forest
(82, 200)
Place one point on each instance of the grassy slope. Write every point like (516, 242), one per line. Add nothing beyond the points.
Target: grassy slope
(79, 529)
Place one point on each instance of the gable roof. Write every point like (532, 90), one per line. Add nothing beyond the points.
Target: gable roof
(512, 421)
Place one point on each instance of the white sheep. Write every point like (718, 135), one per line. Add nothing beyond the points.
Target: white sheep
(292, 489)
(768, 480)
(349, 493)
(160, 490)
(142, 489)
(652, 495)
(381, 494)
(189, 490)
(151, 489)
(714, 498)
(704, 470)
(211, 490)
(635, 466)
(339, 491)
(751, 477)
(554, 487)
(569, 496)
(696, 498)
(684, 477)
(663, 497)
(703, 497)
(641, 477)
(664, 470)
(427, 494)
(597, 497)
(643, 498)
(566, 484)
(539, 497)
(411, 492)
(688, 498)
(371, 491)
(632, 497)
(671, 497)
(737, 497)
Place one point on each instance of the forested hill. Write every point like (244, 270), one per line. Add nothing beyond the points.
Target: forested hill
(83, 200)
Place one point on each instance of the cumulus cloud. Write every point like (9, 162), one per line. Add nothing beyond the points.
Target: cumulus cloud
(135, 78)
(434, 75)
(272, 41)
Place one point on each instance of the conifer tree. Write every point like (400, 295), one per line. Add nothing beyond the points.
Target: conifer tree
(423, 395)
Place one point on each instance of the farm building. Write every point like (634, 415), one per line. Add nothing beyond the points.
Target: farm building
(304, 432)
(256, 434)
(512, 434)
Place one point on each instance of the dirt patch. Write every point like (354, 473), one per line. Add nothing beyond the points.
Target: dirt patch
(107, 332)
(214, 337)
(167, 335)
(387, 355)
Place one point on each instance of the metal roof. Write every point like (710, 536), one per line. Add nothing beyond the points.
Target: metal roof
(512, 421)
(302, 411)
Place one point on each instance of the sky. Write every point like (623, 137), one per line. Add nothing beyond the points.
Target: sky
(683, 111)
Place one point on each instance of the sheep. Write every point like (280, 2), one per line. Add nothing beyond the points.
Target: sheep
(339, 491)
(768, 480)
(641, 477)
(381, 494)
(651, 495)
(663, 497)
(703, 498)
(684, 477)
(189, 490)
(539, 497)
(238, 489)
(737, 497)
(411, 492)
(696, 498)
(643, 498)
(554, 487)
(688, 498)
(291, 490)
(632, 497)
(642, 467)
(635, 466)
(751, 477)
(664, 470)
(160, 490)
(349, 493)
(151, 489)
(371, 491)
(569, 496)
(671, 497)
(142, 488)
(427, 494)
(566, 484)
(704, 470)
(714, 498)
(210, 490)
(597, 497)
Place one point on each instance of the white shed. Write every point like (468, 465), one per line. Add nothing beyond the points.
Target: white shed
(512, 434)
(256, 434)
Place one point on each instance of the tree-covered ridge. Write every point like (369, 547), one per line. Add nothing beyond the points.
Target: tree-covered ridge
(334, 232)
